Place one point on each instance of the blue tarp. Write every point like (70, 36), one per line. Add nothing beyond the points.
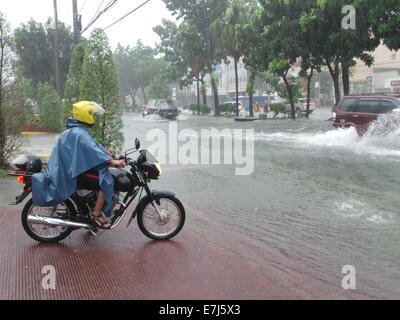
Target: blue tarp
(75, 153)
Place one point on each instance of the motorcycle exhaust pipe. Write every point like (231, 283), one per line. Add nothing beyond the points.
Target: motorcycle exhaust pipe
(57, 222)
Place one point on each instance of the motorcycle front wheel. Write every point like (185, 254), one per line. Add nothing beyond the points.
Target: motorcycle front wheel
(44, 233)
(167, 227)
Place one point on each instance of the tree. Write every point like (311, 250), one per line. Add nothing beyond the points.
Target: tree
(12, 112)
(34, 43)
(337, 46)
(72, 90)
(184, 50)
(159, 87)
(137, 68)
(280, 40)
(99, 83)
(384, 17)
(236, 14)
(203, 14)
(50, 106)
(246, 37)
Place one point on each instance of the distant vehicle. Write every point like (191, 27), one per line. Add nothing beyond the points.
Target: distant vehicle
(164, 108)
(260, 102)
(360, 111)
(300, 107)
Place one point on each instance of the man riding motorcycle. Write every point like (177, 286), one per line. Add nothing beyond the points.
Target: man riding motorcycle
(75, 153)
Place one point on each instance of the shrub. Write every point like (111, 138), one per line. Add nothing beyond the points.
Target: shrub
(277, 108)
(204, 109)
(3, 173)
(227, 108)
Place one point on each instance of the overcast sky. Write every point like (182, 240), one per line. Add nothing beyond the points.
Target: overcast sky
(138, 25)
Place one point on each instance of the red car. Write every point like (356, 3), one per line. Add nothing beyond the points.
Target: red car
(360, 111)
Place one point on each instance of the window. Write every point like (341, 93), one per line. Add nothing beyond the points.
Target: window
(387, 106)
(376, 106)
(368, 106)
(394, 56)
(349, 105)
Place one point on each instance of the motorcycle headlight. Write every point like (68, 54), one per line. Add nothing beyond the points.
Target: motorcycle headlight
(158, 166)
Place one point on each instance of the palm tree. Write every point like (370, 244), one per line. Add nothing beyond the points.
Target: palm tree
(236, 14)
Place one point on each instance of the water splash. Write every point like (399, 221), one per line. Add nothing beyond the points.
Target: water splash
(356, 209)
(382, 138)
(384, 132)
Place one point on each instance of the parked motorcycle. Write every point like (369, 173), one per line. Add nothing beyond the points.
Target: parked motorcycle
(160, 215)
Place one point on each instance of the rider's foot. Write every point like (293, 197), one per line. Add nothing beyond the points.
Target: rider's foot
(102, 221)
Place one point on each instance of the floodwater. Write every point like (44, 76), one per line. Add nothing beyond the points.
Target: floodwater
(318, 200)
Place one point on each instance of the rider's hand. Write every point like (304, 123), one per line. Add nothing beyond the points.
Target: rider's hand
(117, 163)
(117, 156)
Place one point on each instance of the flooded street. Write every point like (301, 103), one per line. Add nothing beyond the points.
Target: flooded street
(318, 200)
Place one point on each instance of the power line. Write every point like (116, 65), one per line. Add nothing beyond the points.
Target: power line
(80, 10)
(127, 14)
(94, 16)
(107, 7)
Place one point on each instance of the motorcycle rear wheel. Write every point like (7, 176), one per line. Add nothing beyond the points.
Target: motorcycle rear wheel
(153, 227)
(53, 234)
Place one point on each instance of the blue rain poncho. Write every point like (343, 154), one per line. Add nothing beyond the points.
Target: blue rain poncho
(75, 153)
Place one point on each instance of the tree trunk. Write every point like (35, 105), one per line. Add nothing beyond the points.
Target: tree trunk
(251, 89)
(289, 89)
(335, 77)
(144, 96)
(309, 78)
(236, 87)
(204, 92)
(215, 94)
(346, 78)
(198, 97)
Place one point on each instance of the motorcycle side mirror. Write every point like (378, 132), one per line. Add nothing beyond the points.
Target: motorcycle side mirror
(137, 144)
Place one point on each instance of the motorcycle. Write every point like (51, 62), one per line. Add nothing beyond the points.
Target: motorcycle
(160, 215)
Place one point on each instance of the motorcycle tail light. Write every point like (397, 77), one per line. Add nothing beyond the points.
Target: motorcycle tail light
(21, 179)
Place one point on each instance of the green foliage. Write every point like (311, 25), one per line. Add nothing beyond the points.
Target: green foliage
(3, 173)
(184, 51)
(204, 16)
(99, 83)
(227, 108)
(50, 106)
(158, 90)
(204, 109)
(34, 46)
(384, 17)
(73, 85)
(138, 69)
(12, 109)
(277, 108)
(295, 89)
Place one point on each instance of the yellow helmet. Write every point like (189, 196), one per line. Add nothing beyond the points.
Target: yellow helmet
(85, 111)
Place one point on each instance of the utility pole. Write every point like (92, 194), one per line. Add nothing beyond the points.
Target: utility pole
(56, 50)
(77, 22)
